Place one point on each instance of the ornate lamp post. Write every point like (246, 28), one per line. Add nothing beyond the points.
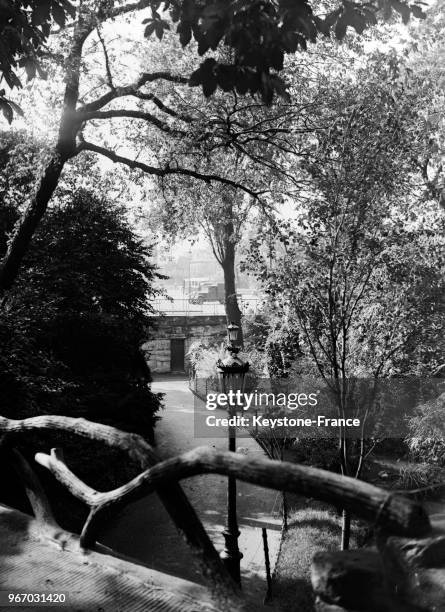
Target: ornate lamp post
(231, 372)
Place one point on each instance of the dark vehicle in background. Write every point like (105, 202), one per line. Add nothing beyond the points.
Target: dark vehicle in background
(208, 292)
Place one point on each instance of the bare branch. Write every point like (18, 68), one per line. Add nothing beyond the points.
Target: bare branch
(166, 109)
(167, 170)
(127, 8)
(107, 60)
(132, 89)
(133, 114)
(394, 513)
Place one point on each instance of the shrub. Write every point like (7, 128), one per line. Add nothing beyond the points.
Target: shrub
(426, 441)
(427, 480)
(71, 327)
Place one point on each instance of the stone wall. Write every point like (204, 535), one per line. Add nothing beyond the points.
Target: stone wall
(211, 328)
(400, 575)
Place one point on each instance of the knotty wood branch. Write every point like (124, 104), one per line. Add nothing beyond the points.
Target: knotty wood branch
(182, 513)
(137, 448)
(391, 512)
(36, 495)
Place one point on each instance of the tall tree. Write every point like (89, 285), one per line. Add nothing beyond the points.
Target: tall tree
(361, 275)
(259, 33)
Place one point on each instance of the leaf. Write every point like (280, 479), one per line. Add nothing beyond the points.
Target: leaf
(150, 29)
(417, 12)
(290, 41)
(340, 28)
(331, 18)
(209, 85)
(206, 76)
(16, 108)
(402, 8)
(226, 77)
(159, 29)
(355, 19)
(58, 14)
(195, 78)
(11, 79)
(276, 58)
(41, 12)
(6, 110)
(30, 67)
(184, 30)
(42, 73)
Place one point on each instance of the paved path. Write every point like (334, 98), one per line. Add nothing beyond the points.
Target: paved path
(144, 530)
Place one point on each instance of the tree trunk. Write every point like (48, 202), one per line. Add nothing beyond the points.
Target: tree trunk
(64, 149)
(19, 244)
(233, 312)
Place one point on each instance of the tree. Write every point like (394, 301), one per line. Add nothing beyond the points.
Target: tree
(221, 217)
(423, 77)
(259, 33)
(275, 28)
(360, 278)
(71, 334)
(24, 29)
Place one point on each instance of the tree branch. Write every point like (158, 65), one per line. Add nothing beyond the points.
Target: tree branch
(132, 89)
(394, 513)
(137, 448)
(175, 501)
(167, 170)
(166, 109)
(133, 114)
(107, 60)
(37, 497)
(127, 8)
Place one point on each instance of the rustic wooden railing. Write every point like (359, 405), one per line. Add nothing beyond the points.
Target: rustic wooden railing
(388, 511)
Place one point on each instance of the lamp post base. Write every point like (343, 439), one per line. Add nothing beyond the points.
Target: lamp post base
(231, 555)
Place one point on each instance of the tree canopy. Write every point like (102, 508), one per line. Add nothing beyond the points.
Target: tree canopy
(257, 34)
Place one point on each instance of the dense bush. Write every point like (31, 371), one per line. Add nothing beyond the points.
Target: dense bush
(71, 328)
(425, 480)
(426, 441)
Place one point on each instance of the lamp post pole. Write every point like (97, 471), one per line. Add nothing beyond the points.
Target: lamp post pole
(232, 371)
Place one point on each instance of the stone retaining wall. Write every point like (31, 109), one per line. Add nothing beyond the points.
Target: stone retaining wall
(211, 328)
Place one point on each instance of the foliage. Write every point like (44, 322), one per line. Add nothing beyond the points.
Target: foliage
(259, 33)
(361, 274)
(426, 440)
(72, 327)
(425, 479)
(423, 76)
(321, 453)
(24, 28)
(203, 358)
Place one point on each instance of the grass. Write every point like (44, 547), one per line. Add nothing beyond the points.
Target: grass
(313, 527)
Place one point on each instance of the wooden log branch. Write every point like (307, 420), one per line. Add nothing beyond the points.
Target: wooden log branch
(182, 513)
(34, 491)
(387, 511)
(137, 448)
